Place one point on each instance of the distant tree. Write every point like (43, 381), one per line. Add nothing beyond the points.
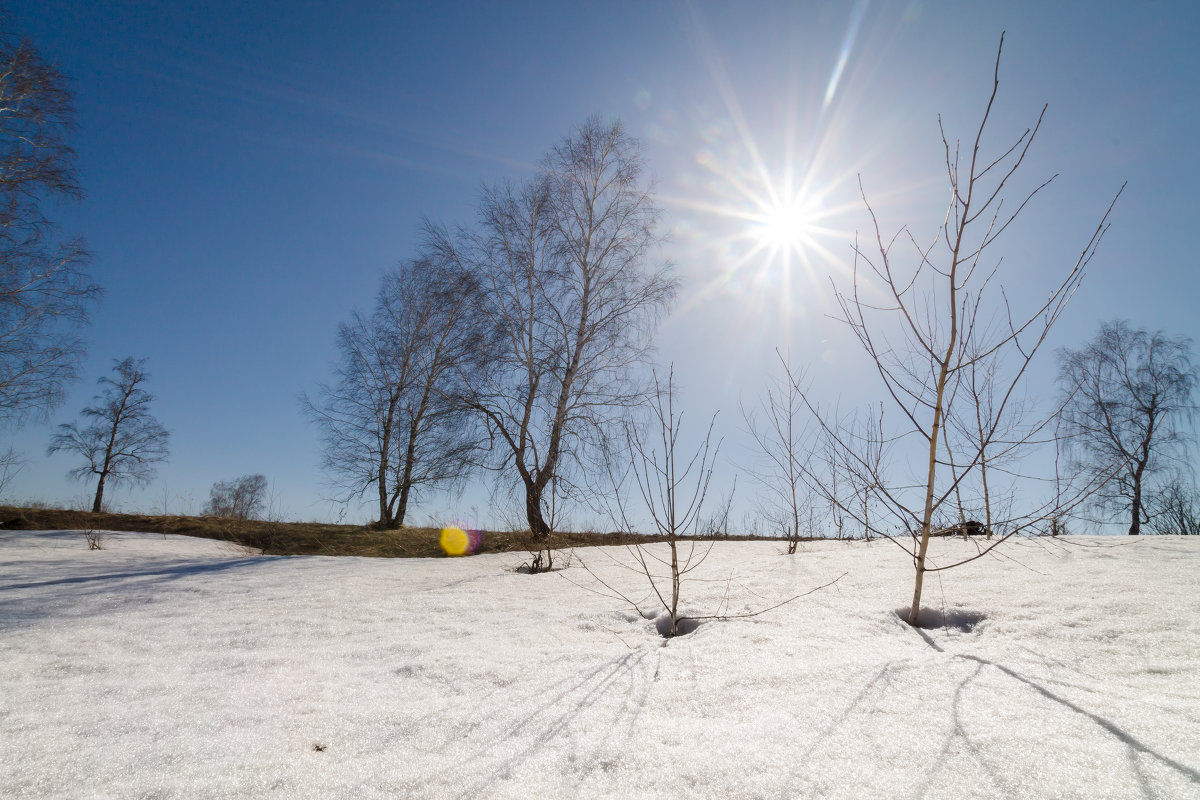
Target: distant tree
(45, 290)
(1127, 407)
(780, 436)
(124, 441)
(11, 463)
(1175, 509)
(240, 498)
(560, 268)
(392, 419)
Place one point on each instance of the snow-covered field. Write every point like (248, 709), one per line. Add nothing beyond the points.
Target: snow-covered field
(171, 667)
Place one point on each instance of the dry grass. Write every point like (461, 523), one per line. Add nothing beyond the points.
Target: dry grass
(299, 538)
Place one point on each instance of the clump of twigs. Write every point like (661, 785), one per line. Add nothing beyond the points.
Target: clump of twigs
(93, 537)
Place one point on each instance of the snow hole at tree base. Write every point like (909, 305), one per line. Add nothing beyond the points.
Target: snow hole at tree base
(958, 619)
(683, 626)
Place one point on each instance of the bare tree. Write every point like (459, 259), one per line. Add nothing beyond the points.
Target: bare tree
(673, 492)
(559, 264)
(124, 440)
(782, 441)
(392, 419)
(673, 489)
(1128, 401)
(951, 353)
(45, 290)
(849, 479)
(1175, 509)
(240, 498)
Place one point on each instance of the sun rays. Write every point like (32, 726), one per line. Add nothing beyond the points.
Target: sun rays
(766, 213)
(768, 231)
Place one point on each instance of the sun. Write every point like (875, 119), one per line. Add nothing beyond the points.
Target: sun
(783, 226)
(783, 223)
(772, 228)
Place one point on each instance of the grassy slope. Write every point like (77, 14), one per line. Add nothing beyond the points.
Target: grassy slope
(296, 538)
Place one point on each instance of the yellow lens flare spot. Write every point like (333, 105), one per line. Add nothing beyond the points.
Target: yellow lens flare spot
(455, 541)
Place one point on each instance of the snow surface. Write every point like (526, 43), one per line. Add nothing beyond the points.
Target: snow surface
(172, 667)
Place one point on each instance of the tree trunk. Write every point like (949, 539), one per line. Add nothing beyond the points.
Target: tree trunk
(386, 520)
(533, 512)
(918, 584)
(401, 507)
(927, 520)
(385, 512)
(99, 494)
(108, 454)
(1135, 525)
(402, 492)
(406, 479)
(674, 585)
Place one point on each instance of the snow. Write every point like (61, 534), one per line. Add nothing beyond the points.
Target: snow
(171, 667)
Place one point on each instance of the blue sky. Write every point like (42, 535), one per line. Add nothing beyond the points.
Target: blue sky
(252, 168)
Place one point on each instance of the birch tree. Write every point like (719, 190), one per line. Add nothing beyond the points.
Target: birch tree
(392, 421)
(1128, 401)
(952, 353)
(239, 498)
(561, 266)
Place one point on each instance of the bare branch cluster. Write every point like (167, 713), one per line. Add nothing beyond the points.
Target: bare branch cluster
(45, 289)
(11, 464)
(94, 538)
(1175, 508)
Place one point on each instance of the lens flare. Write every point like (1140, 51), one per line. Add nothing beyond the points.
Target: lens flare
(456, 541)
(856, 18)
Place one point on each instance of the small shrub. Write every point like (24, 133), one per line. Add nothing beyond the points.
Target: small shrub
(94, 538)
(242, 498)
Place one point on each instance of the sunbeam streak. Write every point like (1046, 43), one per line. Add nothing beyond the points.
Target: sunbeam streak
(856, 18)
